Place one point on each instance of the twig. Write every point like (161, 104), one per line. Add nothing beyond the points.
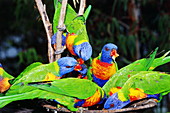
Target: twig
(144, 104)
(60, 25)
(82, 7)
(48, 28)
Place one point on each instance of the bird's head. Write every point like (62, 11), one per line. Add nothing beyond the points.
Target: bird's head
(68, 64)
(109, 52)
(113, 102)
(83, 50)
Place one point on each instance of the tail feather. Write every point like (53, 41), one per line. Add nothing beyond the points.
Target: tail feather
(4, 100)
(160, 61)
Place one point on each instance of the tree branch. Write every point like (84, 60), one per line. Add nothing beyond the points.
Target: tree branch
(82, 7)
(48, 28)
(60, 25)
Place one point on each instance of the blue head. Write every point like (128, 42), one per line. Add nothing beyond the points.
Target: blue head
(83, 50)
(68, 64)
(0, 65)
(109, 52)
(113, 103)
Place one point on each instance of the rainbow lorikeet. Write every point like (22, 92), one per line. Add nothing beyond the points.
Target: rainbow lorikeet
(104, 66)
(123, 74)
(144, 84)
(4, 80)
(44, 72)
(75, 38)
(64, 91)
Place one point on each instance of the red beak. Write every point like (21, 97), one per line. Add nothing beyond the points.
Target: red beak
(114, 53)
(80, 61)
(77, 67)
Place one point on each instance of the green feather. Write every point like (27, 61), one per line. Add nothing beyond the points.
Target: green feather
(149, 81)
(26, 70)
(64, 100)
(33, 73)
(86, 13)
(68, 87)
(160, 61)
(70, 15)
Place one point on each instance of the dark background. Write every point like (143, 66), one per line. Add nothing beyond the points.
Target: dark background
(23, 38)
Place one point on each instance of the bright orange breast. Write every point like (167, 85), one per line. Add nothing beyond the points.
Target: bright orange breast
(103, 70)
(70, 41)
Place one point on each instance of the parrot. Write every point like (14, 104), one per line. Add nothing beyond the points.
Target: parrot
(63, 91)
(122, 75)
(45, 72)
(104, 66)
(4, 80)
(144, 84)
(75, 39)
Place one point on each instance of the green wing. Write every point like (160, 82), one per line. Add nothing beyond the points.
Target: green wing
(64, 100)
(86, 13)
(73, 87)
(37, 73)
(160, 61)
(122, 75)
(30, 67)
(151, 82)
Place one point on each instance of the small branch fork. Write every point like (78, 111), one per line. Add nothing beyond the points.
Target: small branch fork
(48, 28)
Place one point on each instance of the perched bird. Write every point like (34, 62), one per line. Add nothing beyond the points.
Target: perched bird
(122, 75)
(45, 72)
(4, 80)
(64, 91)
(144, 84)
(104, 66)
(76, 39)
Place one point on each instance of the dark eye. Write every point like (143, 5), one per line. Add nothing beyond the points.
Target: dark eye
(107, 49)
(111, 105)
(68, 66)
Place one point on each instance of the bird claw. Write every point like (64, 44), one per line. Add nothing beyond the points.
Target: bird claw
(150, 100)
(61, 28)
(60, 51)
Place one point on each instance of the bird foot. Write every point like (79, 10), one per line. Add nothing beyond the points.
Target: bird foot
(61, 28)
(151, 100)
(60, 51)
